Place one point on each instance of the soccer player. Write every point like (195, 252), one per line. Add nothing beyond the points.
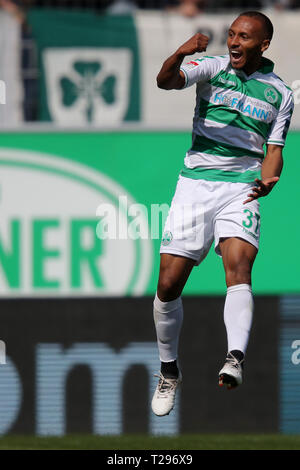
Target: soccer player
(240, 106)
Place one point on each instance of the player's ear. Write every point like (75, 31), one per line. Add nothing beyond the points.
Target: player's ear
(265, 45)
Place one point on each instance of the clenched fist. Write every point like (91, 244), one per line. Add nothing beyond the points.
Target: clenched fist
(170, 77)
(197, 43)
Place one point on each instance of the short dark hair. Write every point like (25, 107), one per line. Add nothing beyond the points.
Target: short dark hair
(264, 19)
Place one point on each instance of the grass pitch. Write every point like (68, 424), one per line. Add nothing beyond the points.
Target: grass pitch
(139, 442)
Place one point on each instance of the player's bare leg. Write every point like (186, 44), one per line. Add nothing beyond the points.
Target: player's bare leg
(238, 257)
(173, 274)
(168, 315)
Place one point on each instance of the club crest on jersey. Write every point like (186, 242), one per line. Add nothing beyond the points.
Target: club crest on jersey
(167, 238)
(271, 95)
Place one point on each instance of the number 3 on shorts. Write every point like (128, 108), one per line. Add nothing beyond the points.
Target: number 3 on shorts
(248, 223)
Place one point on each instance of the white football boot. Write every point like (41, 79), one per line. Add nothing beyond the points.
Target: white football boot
(164, 396)
(232, 372)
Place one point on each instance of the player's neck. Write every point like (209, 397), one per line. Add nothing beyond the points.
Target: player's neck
(252, 67)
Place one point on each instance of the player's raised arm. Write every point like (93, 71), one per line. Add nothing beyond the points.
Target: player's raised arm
(170, 77)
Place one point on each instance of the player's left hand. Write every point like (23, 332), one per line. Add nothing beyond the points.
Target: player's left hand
(262, 188)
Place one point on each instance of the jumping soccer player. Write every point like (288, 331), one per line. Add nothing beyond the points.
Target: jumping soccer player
(240, 106)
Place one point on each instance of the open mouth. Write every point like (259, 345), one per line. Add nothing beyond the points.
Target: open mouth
(236, 56)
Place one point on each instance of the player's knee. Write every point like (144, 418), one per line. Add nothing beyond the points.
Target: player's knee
(238, 274)
(168, 289)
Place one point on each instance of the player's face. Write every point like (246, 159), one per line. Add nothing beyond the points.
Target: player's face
(246, 42)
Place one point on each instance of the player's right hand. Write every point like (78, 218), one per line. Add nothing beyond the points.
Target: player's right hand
(197, 43)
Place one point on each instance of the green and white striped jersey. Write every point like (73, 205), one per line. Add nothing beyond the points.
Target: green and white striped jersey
(235, 115)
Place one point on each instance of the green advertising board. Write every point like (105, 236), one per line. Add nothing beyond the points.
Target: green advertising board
(52, 189)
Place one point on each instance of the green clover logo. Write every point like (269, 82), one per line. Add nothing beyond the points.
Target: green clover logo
(271, 95)
(89, 85)
(167, 238)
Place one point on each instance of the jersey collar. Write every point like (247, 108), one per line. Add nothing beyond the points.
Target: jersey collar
(267, 66)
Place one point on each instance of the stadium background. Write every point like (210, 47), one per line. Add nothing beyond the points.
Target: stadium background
(83, 125)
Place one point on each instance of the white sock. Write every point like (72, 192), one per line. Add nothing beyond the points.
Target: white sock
(168, 320)
(238, 312)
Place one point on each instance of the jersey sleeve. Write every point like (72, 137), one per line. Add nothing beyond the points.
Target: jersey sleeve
(200, 70)
(281, 123)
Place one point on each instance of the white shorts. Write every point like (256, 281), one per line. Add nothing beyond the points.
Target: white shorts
(203, 211)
